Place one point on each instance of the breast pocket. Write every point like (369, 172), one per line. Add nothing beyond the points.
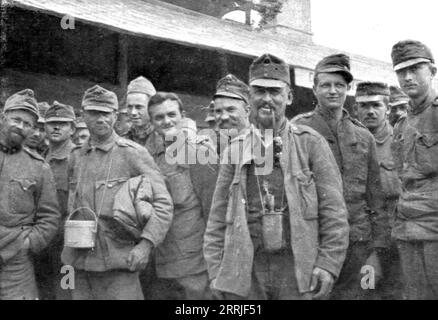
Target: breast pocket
(22, 195)
(105, 191)
(389, 177)
(308, 194)
(426, 152)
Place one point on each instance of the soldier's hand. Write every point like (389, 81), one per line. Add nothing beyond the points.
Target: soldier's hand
(322, 280)
(374, 261)
(139, 256)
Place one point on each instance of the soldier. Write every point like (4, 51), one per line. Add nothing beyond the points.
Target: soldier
(97, 171)
(180, 258)
(280, 233)
(372, 104)
(81, 134)
(29, 213)
(37, 140)
(415, 149)
(355, 152)
(399, 104)
(231, 109)
(140, 90)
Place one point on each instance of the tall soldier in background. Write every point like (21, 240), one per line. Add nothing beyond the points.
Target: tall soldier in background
(415, 149)
(398, 103)
(37, 139)
(29, 213)
(354, 148)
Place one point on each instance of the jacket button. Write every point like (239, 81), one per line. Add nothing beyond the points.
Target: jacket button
(243, 201)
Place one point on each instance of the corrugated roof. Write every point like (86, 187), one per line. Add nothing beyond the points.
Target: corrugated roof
(163, 21)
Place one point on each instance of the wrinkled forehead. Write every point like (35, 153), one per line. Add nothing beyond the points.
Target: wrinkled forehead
(22, 114)
(225, 102)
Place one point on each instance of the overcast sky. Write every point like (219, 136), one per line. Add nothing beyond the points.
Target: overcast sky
(371, 27)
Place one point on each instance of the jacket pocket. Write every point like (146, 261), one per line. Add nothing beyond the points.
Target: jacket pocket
(390, 182)
(426, 152)
(308, 195)
(21, 195)
(105, 192)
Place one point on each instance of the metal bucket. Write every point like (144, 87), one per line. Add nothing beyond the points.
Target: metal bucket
(80, 233)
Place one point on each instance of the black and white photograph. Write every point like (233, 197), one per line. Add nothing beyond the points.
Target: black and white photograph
(219, 153)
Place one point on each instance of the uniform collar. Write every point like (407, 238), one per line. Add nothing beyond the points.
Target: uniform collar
(141, 133)
(62, 152)
(383, 134)
(423, 105)
(104, 146)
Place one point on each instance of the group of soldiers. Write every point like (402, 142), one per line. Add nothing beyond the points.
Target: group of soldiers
(281, 209)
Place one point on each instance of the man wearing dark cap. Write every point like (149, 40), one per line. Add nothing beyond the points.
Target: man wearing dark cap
(140, 90)
(415, 149)
(354, 148)
(278, 231)
(398, 105)
(97, 170)
(29, 213)
(37, 139)
(372, 103)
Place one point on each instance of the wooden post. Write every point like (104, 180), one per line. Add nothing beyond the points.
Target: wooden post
(122, 72)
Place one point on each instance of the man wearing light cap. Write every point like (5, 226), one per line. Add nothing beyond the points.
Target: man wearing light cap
(140, 90)
(398, 105)
(29, 213)
(354, 148)
(97, 171)
(372, 102)
(281, 232)
(37, 140)
(415, 149)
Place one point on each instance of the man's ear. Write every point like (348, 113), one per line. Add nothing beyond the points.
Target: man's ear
(290, 97)
(433, 70)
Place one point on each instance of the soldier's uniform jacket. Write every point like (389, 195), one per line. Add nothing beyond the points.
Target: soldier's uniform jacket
(59, 164)
(415, 149)
(318, 216)
(28, 205)
(391, 183)
(96, 173)
(354, 148)
(181, 252)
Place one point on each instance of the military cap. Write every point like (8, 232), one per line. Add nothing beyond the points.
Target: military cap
(406, 53)
(80, 124)
(22, 100)
(60, 112)
(335, 63)
(42, 109)
(141, 85)
(397, 96)
(231, 86)
(100, 99)
(269, 71)
(371, 91)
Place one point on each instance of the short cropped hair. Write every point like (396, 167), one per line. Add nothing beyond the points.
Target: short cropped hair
(161, 96)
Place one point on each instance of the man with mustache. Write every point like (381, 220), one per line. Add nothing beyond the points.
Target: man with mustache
(29, 213)
(97, 171)
(372, 103)
(277, 231)
(354, 148)
(37, 140)
(179, 259)
(415, 149)
(231, 109)
(140, 90)
(398, 103)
